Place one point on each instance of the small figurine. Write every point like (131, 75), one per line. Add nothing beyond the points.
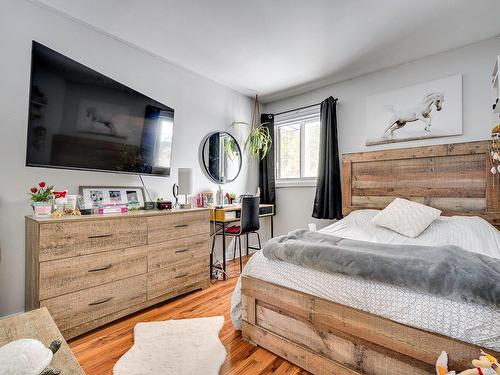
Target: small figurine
(485, 365)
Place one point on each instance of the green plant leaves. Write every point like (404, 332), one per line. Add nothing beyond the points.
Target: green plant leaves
(42, 195)
(230, 147)
(258, 141)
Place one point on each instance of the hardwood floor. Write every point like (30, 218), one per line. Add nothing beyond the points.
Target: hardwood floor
(99, 350)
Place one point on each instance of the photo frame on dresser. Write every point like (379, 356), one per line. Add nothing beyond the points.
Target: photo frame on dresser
(93, 196)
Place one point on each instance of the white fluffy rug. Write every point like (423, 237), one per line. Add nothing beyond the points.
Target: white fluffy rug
(180, 347)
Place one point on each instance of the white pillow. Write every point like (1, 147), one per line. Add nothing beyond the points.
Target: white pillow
(406, 217)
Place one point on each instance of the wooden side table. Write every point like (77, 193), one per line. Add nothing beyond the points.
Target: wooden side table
(38, 324)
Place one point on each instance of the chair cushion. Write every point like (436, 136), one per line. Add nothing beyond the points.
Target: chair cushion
(235, 229)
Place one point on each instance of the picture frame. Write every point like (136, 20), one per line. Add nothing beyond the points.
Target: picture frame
(427, 110)
(93, 196)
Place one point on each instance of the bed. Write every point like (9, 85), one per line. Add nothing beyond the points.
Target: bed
(335, 324)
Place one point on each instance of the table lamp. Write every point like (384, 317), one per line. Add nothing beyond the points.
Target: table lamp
(185, 177)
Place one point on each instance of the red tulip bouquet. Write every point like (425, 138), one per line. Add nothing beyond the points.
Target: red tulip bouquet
(40, 198)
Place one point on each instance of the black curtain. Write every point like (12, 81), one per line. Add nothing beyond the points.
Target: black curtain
(328, 200)
(266, 166)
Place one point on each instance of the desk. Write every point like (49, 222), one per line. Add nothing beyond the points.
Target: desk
(231, 214)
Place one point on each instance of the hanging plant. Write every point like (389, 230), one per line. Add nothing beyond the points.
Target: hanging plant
(259, 139)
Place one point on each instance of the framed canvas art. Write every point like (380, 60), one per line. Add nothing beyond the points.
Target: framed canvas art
(427, 110)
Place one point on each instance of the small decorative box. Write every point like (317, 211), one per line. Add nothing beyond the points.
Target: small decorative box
(112, 208)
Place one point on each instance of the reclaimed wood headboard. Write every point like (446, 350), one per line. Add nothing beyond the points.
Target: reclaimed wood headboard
(455, 178)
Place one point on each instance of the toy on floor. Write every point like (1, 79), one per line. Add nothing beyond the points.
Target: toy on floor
(28, 357)
(485, 365)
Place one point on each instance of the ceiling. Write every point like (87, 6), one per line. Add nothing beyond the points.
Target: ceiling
(283, 47)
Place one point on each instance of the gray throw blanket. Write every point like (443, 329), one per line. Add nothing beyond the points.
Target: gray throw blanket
(446, 271)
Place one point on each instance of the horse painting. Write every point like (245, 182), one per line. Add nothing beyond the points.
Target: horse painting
(420, 112)
(98, 121)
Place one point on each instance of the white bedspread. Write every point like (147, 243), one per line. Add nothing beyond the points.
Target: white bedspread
(467, 322)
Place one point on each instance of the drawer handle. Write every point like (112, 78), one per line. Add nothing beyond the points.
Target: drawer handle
(106, 267)
(104, 300)
(101, 235)
(181, 251)
(182, 275)
(180, 225)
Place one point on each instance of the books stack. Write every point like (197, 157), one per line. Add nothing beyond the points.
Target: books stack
(112, 208)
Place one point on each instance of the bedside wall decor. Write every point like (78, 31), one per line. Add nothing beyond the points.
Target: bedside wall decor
(495, 87)
(495, 150)
(428, 110)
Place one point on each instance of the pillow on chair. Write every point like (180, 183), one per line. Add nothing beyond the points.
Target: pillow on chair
(406, 217)
(235, 229)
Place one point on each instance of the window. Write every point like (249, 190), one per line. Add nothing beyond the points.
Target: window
(297, 147)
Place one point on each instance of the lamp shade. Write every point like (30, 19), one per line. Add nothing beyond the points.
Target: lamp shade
(185, 183)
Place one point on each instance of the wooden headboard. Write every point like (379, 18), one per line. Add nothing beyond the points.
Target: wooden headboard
(455, 178)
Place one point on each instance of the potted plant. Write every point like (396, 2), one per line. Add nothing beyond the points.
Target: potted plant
(259, 140)
(41, 199)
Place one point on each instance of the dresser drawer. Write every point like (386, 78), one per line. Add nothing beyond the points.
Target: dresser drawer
(165, 254)
(77, 308)
(177, 225)
(177, 277)
(68, 275)
(68, 239)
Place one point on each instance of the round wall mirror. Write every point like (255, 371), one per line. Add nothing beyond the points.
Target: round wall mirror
(221, 156)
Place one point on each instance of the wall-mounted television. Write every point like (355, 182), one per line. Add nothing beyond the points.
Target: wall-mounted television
(81, 119)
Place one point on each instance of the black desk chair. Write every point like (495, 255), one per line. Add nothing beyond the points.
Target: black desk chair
(249, 223)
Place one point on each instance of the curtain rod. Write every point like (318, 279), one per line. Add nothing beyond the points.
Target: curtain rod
(298, 109)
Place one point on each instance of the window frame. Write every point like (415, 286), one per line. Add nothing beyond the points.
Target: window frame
(302, 117)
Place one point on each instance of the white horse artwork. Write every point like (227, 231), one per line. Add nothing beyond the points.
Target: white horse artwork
(100, 122)
(431, 109)
(420, 112)
(103, 119)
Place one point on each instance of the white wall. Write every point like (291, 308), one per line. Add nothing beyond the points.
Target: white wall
(200, 106)
(474, 62)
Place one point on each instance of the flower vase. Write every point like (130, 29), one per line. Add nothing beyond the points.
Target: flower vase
(42, 209)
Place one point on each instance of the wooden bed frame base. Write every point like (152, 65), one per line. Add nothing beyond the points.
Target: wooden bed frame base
(325, 337)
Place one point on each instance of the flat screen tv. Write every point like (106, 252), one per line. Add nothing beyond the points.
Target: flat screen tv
(81, 119)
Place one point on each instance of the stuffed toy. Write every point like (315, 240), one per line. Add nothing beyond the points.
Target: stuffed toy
(485, 365)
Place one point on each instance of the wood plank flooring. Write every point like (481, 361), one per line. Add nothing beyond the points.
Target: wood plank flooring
(99, 350)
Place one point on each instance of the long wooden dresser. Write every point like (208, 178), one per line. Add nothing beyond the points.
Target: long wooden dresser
(91, 270)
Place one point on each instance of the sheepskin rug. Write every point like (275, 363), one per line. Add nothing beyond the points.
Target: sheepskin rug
(181, 347)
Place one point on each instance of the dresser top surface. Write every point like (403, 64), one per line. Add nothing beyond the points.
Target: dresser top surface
(130, 214)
